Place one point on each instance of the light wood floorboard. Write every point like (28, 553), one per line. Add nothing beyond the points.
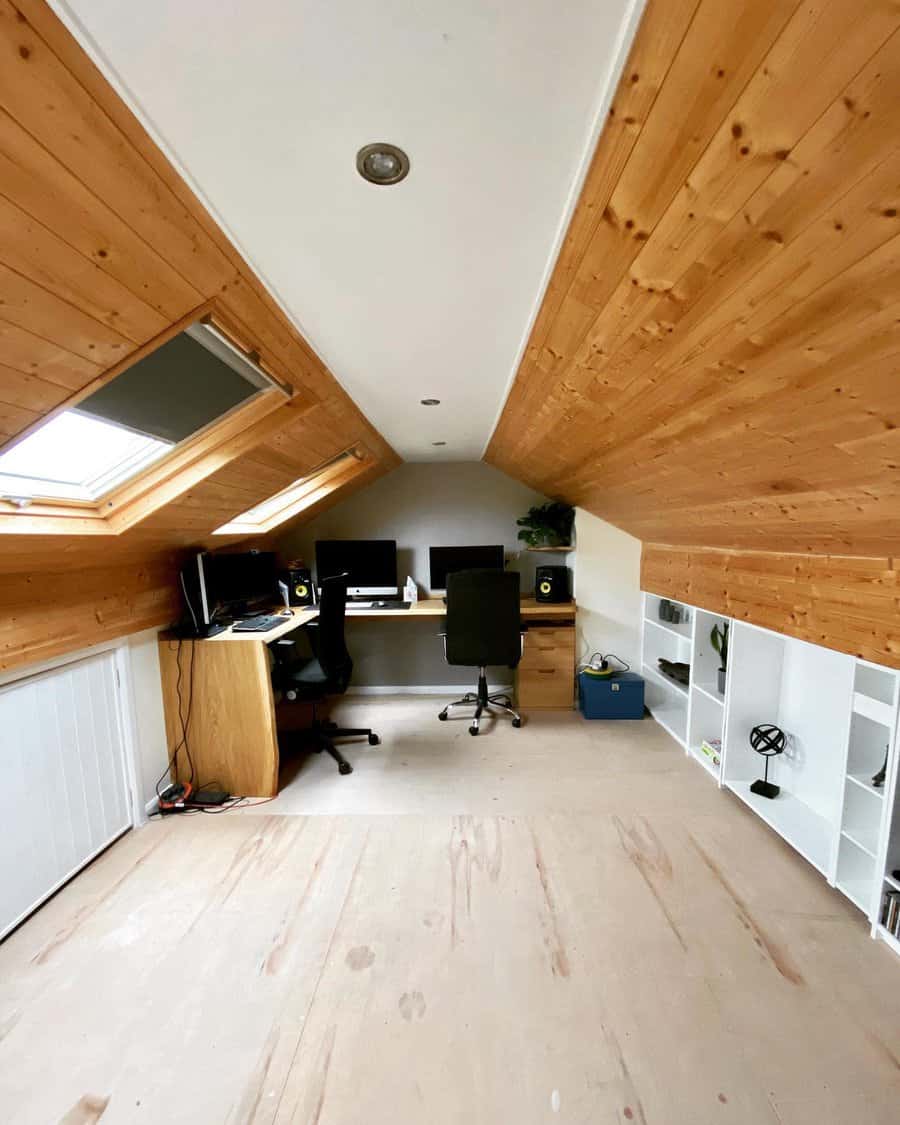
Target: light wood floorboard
(567, 923)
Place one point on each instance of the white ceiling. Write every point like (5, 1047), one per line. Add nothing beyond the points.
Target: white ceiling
(422, 290)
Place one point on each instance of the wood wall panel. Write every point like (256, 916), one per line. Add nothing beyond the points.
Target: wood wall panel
(48, 613)
(102, 248)
(714, 361)
(844, 603)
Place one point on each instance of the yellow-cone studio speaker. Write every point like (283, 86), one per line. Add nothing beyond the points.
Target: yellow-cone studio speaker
(551, 584)
(298, 580)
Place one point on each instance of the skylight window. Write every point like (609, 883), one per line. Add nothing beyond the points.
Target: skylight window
(108, 437)
(299, 495)
(76, 457)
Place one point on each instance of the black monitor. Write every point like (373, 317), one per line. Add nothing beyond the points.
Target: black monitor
(235, 582)
(370, 564)
(446, 560)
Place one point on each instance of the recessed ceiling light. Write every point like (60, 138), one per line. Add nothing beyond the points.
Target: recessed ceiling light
(438, 443)
(382, 163)
(430, 401)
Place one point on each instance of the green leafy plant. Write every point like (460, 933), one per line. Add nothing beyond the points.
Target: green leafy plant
(547, 525)
(718, 638)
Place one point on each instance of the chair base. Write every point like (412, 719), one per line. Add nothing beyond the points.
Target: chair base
(322, 734)
(485, 703)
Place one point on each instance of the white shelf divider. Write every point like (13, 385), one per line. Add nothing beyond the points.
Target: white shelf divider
(864, 782)
(666, 680)
(865, 839)
(711, 692)
(680, 631)
(873, 709)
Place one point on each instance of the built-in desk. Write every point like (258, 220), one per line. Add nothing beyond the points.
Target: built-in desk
(233, 735)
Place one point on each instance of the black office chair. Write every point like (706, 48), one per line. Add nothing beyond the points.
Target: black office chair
(483, 627)
(326, 673)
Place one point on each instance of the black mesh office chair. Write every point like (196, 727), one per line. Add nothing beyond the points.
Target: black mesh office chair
(326, 673)
(483, 627)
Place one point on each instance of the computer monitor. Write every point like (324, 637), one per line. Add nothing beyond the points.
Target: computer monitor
(370, 564)
(446, 560)
(216, 585)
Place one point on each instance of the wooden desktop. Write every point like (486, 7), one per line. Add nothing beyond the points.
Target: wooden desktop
(233, 734)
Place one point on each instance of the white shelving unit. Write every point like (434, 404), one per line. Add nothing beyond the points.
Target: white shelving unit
(840, 717)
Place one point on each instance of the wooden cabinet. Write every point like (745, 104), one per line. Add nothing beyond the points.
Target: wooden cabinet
(227, 705)
(546, 673)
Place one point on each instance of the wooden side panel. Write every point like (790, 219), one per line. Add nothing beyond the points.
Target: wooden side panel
(43, 614)
(848, 604)
(715, 359)
(231, 734)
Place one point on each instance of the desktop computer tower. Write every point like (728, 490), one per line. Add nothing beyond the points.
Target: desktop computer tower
(298, 580)
(551, 584)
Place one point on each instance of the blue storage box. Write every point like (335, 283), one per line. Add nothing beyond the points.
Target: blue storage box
(620, 696)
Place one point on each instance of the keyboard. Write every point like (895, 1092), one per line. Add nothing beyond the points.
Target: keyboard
(351, 606)
(262, 623)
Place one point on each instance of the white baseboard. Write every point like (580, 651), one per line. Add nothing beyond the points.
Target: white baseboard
(421, 689)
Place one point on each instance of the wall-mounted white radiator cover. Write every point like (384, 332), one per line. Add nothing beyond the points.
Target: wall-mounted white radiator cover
(63, 792)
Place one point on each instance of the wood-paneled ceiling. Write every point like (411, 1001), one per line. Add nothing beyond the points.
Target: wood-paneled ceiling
(715, 362)
(102, 248)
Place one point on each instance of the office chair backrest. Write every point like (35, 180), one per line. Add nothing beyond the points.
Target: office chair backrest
(483, 618)
(332, 646)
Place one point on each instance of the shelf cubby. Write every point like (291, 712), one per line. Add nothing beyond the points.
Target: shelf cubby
(773, 679)
(803, 828)
(707, 715)
(683, 628)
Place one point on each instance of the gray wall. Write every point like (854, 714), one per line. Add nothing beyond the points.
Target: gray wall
(421, 505)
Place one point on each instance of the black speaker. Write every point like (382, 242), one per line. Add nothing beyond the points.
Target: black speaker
(551, 584)
(298, 580)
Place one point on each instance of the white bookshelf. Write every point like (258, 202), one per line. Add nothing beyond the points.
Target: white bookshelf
(840, 715)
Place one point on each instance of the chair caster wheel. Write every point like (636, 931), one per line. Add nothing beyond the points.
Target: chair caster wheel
(517, 722)
(345, 767)
(442, 715)
(473, 730)
(374, 740)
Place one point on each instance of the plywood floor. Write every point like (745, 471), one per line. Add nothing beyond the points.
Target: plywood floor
(567, 923)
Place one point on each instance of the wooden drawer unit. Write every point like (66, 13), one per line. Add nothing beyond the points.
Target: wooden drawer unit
(546, 673)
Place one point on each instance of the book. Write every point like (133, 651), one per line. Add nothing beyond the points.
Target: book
(890, 912)
(712, 748)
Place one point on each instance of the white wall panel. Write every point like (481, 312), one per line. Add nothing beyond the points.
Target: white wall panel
(63, 794)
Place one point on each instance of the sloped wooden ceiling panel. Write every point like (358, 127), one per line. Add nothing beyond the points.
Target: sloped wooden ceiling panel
(715, 362)
(102, 248)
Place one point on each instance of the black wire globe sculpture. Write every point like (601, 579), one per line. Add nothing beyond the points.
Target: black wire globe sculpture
(769, 741)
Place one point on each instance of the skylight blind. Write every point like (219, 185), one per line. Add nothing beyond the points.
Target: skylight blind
(172, 393)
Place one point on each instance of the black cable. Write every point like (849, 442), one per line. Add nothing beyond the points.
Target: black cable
(185, 722)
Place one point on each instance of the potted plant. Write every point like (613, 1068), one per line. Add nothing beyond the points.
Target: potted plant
(547, 525)
(718, 638)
